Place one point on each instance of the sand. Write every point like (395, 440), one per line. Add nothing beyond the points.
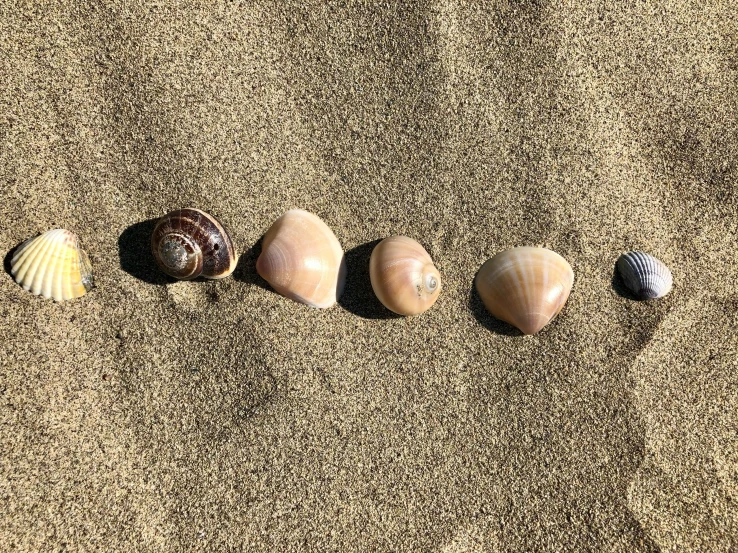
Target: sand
(153, 415)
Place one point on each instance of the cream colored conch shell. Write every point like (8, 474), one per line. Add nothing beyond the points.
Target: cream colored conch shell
(526, 287)
(302, 259)
(403, 276)
(53, 265)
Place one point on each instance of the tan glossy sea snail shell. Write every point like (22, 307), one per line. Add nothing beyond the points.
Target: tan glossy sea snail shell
(526, 287)
(53, 265)
(188, 243)
(403, 276)
(302, 259)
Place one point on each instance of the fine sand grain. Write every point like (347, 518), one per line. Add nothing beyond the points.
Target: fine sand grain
(217, 415)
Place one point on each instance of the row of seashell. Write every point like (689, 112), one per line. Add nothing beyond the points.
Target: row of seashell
(302, 259)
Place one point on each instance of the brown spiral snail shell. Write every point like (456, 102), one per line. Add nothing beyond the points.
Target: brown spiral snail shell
(188, 243)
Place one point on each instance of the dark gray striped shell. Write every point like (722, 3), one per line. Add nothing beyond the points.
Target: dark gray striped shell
(647, 277)
(189, 243)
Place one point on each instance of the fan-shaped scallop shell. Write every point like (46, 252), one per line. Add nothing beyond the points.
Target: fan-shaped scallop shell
(403, 276)
(644, 275)
(52, 265)
(526, 287)
(302, 259)
(188, 243)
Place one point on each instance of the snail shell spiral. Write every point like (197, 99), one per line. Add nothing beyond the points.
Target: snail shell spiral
(188, 243)
(403, 276)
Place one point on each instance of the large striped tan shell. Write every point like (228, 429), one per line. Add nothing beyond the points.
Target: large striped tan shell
(403, 276)
(52, 265)
(647, 277)
(302, 259)
(526, 287)
(188, 243)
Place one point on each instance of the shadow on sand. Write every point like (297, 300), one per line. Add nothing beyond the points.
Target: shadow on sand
(358, 296)
(619, 286)
(246, 268)
(8, 257)
(136, 259)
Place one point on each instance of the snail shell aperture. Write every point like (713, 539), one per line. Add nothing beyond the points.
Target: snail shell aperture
(526, 287)
(302, 259)
(53, 265)
(188, 243)
(403, 276)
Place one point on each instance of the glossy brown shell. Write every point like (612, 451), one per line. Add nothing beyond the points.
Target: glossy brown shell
(188, 243)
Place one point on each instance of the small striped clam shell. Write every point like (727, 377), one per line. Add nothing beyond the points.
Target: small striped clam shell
(52, 265)
(643, 274)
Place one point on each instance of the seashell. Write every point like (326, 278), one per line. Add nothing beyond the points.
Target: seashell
(526, 287)
(188, 243)
(52, 265)
(302, 259)
(644, 275)
(403, 276)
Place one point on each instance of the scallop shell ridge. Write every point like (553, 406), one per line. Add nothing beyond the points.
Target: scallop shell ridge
(645, 275)
(53, 266)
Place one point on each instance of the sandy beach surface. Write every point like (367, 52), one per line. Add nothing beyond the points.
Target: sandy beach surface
(153, 415)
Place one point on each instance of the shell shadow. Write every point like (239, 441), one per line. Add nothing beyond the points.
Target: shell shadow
(619, 286)
(486, 319)
(246, 268)
(8, 258)
(358, 296)
(136, 259)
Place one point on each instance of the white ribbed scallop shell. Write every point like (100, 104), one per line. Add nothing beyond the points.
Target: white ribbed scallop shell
(53, 266)
(644, 275)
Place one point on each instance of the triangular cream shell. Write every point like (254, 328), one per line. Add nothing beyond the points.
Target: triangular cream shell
(302, 259)
(526, 287)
